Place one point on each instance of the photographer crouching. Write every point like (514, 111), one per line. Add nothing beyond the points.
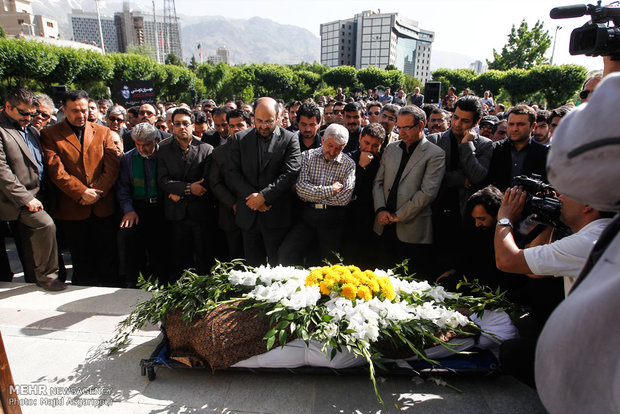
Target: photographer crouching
(562, 258)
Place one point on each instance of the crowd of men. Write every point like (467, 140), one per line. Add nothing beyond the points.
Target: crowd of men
(159, 188)
(156, 189)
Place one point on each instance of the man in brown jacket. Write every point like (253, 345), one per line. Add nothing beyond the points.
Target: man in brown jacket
(21, 176)
(82, 161)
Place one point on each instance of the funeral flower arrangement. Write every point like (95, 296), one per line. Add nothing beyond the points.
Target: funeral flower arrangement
(340, 306)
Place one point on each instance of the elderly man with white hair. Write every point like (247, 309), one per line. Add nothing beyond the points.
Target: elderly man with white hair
(325, 185)
(142, 229)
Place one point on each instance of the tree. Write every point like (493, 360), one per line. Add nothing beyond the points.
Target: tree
(525, 48)
(371, 76)
(143, 50)
(341, 77)
(193, 64)
(2, 32)
(559, 83)
(459, 78)
(172, 59)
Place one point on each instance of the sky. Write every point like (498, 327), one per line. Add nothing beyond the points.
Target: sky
(470, 27)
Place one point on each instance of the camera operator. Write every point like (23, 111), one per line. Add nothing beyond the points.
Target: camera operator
(577, 356)
(562, 258)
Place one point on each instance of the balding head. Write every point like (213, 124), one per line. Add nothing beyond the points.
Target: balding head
(266, 116)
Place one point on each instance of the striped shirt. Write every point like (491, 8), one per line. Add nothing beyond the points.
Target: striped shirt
(317, 175)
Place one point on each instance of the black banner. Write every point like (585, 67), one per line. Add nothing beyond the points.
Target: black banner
(132, 93)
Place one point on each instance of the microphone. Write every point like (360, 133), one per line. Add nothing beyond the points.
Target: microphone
(567, 12)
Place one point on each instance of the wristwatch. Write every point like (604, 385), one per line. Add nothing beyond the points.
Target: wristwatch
(504, 222)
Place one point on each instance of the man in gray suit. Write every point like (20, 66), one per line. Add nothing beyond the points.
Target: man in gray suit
(406, 184)
(21, 176)
(265, 162)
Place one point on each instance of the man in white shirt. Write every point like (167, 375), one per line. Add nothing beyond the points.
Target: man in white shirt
(564, 257)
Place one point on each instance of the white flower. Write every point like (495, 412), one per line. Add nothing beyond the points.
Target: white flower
(330, 330)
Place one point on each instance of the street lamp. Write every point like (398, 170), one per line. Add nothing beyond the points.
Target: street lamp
(555, 38)
(100, 31)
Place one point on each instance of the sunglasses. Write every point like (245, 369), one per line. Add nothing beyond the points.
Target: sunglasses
(374, 112)
(162, 127)
(338, 111)
(147, 113)
(114, 119)
(42, 115)
(26, 113)
(584, 94)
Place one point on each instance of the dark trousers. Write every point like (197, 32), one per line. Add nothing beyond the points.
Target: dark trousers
(6, 275)
(316, 234)
(261, 244)
(392, 251)
(92, 244)
(191, 246)
(142, 247)
(234, 242)
(35, 239)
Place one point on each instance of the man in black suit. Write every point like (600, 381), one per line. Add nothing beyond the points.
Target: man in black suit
(21, 179)
(265, 162)
(518, 154)
(219, 135)
(182, 169)
(238, 120)
(361, 210)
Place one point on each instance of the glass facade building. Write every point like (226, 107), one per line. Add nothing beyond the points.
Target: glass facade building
(378, 39)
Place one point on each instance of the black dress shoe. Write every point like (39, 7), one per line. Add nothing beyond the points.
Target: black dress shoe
(54, 285)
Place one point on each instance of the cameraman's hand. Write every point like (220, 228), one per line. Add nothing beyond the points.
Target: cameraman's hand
(512, 204)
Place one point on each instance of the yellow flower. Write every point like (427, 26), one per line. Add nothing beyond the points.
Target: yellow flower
(325, 287)
(348, 278)
(354, 269)
(374, 285)
(363, 292)
(386, 288)
(313, 278)
(348, 291)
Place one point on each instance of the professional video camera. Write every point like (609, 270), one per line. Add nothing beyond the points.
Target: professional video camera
(594, 38)
(542, 204)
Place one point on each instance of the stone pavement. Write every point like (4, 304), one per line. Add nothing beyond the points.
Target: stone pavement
(54, 345)
(53, 342)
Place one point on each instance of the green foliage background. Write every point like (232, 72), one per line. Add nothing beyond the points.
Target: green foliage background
(39, 65)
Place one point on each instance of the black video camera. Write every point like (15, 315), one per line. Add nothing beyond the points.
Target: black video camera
(541, 204)
(595, 38)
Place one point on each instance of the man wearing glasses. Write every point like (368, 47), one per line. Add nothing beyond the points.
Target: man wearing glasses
(406, 184)
(146, 113)
(265, 162)
(45, 111)
(21, 178)
(182, 176)
(373, 110)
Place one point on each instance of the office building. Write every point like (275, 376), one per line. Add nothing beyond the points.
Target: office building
(378, 39)
(86, 30)
(129, 28)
